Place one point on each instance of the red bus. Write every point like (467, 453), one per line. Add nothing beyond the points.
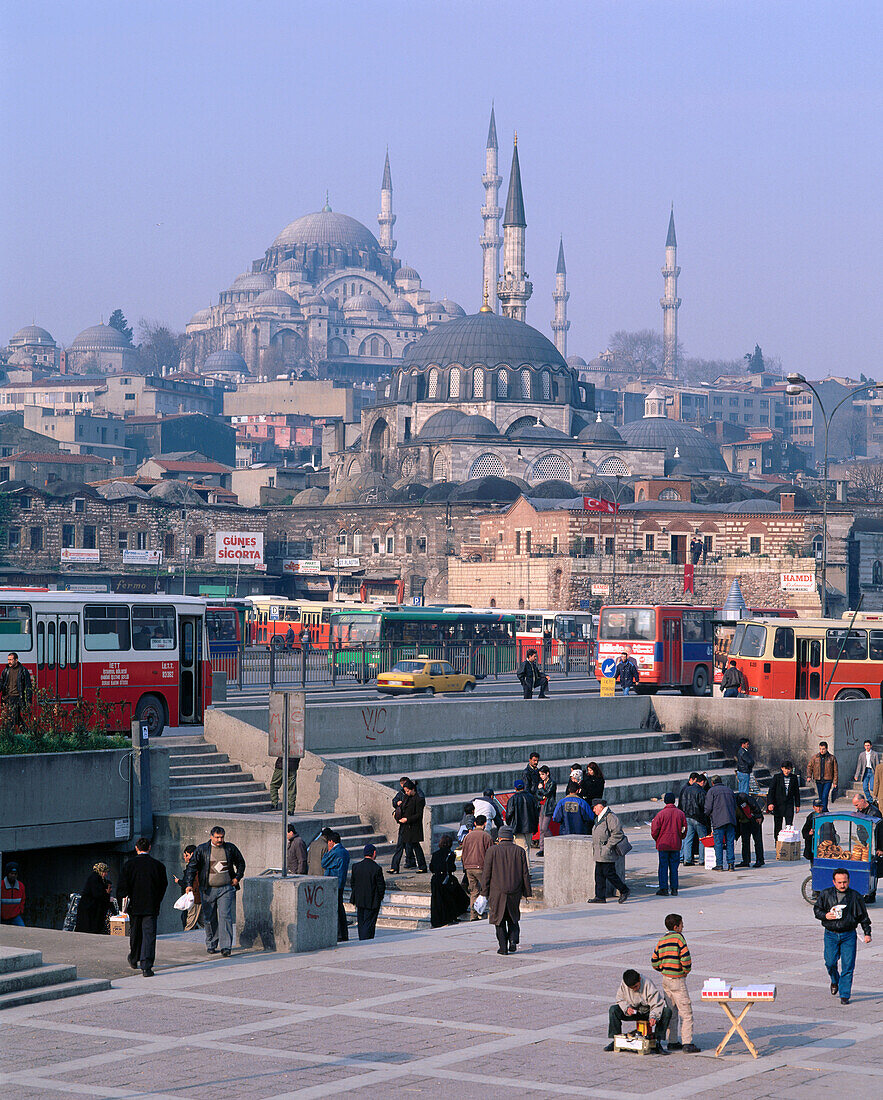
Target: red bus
(811, 658)
(672, 646)
(271, 616)
(535, 629)
(147, 654)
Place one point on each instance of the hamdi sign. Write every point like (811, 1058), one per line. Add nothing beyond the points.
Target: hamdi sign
(239, 547)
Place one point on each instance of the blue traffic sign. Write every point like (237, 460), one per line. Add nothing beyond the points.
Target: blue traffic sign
(608, 667)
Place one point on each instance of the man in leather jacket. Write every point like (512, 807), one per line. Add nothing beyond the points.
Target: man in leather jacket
(841, 909)
(218, 866)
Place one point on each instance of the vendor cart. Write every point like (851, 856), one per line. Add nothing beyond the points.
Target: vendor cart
(847, 840)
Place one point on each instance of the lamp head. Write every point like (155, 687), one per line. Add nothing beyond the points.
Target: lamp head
(794, 377)
(793, 390)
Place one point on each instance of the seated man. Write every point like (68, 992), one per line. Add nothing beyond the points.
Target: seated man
(638, 999)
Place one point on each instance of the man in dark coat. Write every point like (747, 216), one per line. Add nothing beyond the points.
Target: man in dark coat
(531, 774)
(626, 672)
(410, 819)
(749, 822)
(295, 852)
(608, 841)
(16, 689)
(523, 817)
(368, 888)
(141, 888)
(720, 809)
(532, 676)
(783, 797)
(505, 880)
(841, 910)
(218, 867)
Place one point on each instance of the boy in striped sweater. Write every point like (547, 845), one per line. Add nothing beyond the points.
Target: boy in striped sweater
(671, 957)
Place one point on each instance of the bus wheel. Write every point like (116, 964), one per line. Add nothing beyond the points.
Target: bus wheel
(276, 642)
(851, 693)
(700, 681)
(150, 709)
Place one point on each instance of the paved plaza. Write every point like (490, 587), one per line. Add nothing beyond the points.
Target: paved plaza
(416, 1014)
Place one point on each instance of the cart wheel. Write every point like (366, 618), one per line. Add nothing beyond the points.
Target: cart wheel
(807, 891)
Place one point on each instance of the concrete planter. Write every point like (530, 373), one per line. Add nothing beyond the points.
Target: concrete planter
(287, 914)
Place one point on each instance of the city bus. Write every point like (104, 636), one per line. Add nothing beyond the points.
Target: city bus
(271, 617)
(535, 629)
(225, 623)
(145, 655)
(811, 658)
(671, 645)
(369, 640)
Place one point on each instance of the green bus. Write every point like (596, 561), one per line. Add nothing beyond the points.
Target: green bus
(371, 640)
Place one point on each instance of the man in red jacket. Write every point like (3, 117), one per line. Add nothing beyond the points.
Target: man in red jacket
(668, 829)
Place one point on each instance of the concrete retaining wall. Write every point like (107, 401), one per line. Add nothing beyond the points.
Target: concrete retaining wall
(569, 870)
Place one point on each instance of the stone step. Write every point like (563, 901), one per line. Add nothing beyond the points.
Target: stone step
(13, 959)
(36, 977)
(190, 771)
(184, 746)
(199, 761)
(53, 992)
(233, 784)
(235, 803)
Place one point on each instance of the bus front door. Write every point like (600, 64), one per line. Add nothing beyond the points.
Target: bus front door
(58, 654)
(809, 668)
(671, 651)
(190, 629)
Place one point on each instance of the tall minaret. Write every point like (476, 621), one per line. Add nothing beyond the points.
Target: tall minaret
(560, 296)
(670, 302)
(514, 289)
(491, 213)
(386, 218)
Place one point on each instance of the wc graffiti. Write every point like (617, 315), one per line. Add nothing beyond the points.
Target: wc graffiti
(375, 722)
(315, 896)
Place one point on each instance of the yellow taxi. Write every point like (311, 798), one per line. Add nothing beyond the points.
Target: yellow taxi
(423, 676)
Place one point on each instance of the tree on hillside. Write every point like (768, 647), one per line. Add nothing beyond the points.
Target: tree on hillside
(865, 481)
(160, 346)
(643, 349)
(694, 371)
(118, 321)
(755, 360)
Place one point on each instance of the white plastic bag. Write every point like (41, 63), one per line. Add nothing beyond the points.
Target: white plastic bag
(184, 902)
(481, 904)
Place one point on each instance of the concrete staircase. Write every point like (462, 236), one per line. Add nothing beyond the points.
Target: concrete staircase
(24, 980)
(401, 911)
(203, 779)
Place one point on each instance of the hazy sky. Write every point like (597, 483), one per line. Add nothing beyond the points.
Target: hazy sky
(153, 150)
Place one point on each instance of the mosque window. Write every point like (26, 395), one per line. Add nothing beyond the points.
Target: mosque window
(525, 385)
(487, 465)
(357, 542)
(669, 494)
(547, 386)
(502, 383)
(550, 467)
(478, 383)
(390, 541)
(375, 541)
(611, 467)
(433, 383)
(439, 473)
(341, 541)
(454, 385)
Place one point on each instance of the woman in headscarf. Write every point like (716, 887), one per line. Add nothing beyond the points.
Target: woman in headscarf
(95, 902)
(449, 900)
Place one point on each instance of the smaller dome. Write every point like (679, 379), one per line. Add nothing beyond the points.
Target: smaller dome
(274, 299)
(599, 432)
(343, 493)
(476, 426)
(313, 495)
(31, 334)
(201, 317)
(406, 274)
(225, 360)
(363, 303)
(291, 265)
(435, 307)
(441, 425)
(253, 280)
(401, 305)
(453, 309)
(577, 362)
(315, 300)
(487, 490)
(441, 490)
(554, 489)
(22, 358)
(539, 432)
(122, 490)
(100, 338)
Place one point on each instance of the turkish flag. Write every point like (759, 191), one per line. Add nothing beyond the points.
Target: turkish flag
(598, 504)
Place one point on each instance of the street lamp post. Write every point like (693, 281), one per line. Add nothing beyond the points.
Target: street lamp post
(187, 482)
(796, 382)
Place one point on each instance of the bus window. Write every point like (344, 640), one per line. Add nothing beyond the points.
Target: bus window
(854, 649)
(153, 627)
(15, 627)
(62, 644)
(628, 624)
(534, 623)
(783, 646)
(876, 639)
(106, 627)
(74, 646)
(737, 639)
(221, 624)
(696, 626)
(355, 629)
(50, 644)
(41, 644)
(754, 642)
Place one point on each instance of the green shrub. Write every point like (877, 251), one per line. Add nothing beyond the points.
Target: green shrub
(57, 727)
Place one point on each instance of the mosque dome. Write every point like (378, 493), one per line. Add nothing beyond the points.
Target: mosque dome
(656, 431)
(476, 426)
(325, 228)
(22, 358)
(253, 280)
(539, 432)
(31, 334)
(315, 300)
(484, 338)
(442, 425)
(225, 360)
(201, 317)
(599, 432)
(290, 265)
(363, 303)
(100, 338)
(401, 305)
(577, 362)
(314, 495)
(274, 299)
(406, 274)
(453, 309)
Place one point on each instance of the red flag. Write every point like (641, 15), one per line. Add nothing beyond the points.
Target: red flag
(688, 577)
(598, 504)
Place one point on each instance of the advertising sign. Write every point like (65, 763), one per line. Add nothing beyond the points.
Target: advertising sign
(797, 582)
(142, 557)
(239, 548)
(71, 555)
(346, 563)
(608, 686)
(301, 565)
(600, 589)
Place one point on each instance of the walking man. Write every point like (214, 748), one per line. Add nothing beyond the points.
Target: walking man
(783, 797)
(295, 852)
(720, 808)
(523, 817)
(367, 889)
(142, 885)
(671, 957)
(668, 828)
(410, 821)
(16, 689)
(531, 774)
(336, 864)
(12, 897)
(276, 782)
(823, 772)
(608, 844)
(505, 881)
(548, 794)
(731, 681)
(841, 909)
(474, 849)
(692, 801)
(217, 866)
(744, 766)
(865, 768)
(626, 672)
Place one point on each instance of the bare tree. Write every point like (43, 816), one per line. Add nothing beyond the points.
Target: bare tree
(160, 346)
(865, 481)
(644, 349)
(708, 370)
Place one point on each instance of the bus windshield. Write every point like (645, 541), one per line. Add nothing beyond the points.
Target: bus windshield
(628, 624)
(572, 628)
(355, 629)
(754, 641)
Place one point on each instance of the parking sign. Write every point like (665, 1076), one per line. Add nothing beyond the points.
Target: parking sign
(273, 612)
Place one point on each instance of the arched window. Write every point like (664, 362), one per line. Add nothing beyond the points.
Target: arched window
(454, 385)
(390, 541)
(547, 385)
(878, 572)
(502, 383)
(521, 605)
(487, 465)
(439, 470)
(478, 383)
(525, 385)
(337, 347)
(433, 383)
(375, 346)
(357, 542)
(375, 541)
(493, 602)
(341, 541)
(550, 467)
(669, 494)
(610, 467)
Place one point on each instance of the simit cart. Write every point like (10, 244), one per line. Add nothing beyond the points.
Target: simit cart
(848, 840)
